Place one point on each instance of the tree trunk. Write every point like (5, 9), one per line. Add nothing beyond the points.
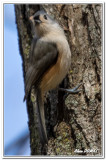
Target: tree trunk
(73, 123)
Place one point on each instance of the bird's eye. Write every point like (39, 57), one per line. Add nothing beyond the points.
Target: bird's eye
(45, 17)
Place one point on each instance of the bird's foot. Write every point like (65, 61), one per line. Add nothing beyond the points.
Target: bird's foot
(71, 91)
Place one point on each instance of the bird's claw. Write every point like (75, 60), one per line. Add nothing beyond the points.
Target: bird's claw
(71, 91)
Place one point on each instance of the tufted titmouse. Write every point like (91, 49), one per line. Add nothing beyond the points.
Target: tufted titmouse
(49, 61)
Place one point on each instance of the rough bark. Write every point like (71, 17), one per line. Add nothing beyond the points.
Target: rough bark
(73, 122)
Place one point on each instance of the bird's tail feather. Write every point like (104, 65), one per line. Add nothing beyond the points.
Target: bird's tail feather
(41, 118)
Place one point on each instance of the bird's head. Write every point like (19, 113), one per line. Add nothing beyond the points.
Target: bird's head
(43, 23)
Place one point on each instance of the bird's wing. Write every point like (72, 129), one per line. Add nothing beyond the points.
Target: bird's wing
(43, 56)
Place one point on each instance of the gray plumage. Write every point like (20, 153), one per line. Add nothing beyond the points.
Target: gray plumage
(43, 55)
(49, 62)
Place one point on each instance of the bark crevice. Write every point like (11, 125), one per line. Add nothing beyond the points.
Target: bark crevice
(73, 122)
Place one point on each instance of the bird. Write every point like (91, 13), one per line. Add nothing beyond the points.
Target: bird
(49, 62)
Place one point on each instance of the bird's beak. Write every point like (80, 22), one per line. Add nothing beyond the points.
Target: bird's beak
(37, 21)
(32, 19)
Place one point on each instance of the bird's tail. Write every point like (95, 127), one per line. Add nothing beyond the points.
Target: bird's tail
(41, 118)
